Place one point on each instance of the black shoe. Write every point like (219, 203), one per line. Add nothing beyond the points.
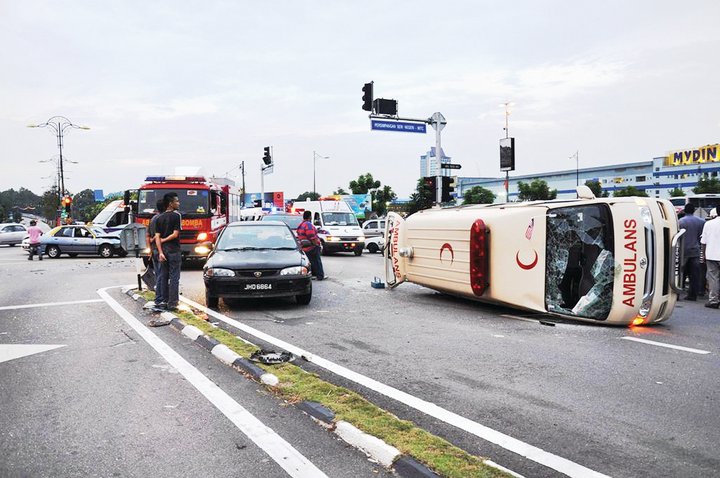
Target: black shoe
(30, 258)
(711, 305)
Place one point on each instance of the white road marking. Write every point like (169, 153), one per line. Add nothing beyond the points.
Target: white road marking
(49, 304)
(526, 450)
(669, 346)
(14, 351)
(294, 463)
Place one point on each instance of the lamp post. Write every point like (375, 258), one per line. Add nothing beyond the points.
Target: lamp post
(59, 124)
(577, 167)
(315, 156)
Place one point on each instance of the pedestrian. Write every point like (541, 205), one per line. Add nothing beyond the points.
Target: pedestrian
(710, 255)
(693, 226)
(154, 260)
(167, 240)
(35, 247)
(306, 231)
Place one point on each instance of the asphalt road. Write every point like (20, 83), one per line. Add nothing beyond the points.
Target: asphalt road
(104, 402)
(582, 394)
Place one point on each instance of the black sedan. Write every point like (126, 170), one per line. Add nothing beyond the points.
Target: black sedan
(257, 259)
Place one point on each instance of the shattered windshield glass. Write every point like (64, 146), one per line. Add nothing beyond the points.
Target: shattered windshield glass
(580, 261)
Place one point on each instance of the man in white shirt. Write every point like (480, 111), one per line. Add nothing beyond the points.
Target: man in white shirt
(710, 254)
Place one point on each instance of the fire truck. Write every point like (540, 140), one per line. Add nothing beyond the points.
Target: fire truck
(206, 207)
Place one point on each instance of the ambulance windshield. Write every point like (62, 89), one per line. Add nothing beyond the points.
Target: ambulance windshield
(580, 262)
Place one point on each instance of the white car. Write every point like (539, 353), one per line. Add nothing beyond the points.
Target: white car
(374, 227)
(606, 260)
(12, 233)
(375, 244)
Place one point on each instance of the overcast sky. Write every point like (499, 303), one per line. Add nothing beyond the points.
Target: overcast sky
(210, 83)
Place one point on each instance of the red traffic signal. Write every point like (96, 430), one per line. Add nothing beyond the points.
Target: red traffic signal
(66, 201)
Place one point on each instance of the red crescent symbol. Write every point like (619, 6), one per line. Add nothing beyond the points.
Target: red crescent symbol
(449, 248)
(527, 267)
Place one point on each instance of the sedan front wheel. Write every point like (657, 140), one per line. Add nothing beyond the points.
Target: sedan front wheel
(106, 251)
(53, 252)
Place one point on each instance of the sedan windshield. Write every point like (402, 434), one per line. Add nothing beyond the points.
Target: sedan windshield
(580, 261)
(339, 219)
(256, 237)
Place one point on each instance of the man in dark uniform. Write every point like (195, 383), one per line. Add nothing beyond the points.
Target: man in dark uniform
(167, 240)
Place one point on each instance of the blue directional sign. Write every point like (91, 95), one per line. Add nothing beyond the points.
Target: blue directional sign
(400, 126)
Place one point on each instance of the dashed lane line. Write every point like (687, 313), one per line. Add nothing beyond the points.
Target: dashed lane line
(526, 450)
(669, 346)
(284, 454)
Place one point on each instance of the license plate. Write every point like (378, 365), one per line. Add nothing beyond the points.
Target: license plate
(258, 286)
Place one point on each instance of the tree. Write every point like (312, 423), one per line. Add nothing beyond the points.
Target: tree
(536, 190)
(83, 205)
(49, 204)
(629, 191)
(677, 192)
(381, 198)
(596, 188)
(707, 185)
(340, 191)
(478, 195)
(364, 183)
(308, 195)
(422, 198)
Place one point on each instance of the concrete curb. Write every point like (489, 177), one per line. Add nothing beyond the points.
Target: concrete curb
(375, 448)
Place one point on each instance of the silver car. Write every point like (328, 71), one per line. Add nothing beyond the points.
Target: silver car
(74, 240)
(11, 233)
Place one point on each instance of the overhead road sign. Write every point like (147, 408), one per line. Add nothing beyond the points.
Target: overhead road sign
(399, 126)
(450, 166)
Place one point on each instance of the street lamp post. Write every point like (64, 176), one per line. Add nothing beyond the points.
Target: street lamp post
(59, 124)
(315, 156)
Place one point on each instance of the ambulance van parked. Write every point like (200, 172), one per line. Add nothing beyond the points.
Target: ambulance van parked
(337, 226)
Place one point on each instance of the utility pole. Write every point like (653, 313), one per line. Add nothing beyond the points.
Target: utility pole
(242, 169)
(438, 123)
(507, 135)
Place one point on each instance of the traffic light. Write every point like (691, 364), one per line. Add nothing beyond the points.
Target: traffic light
(430, 182)
(448, 188)
(66, 202)
(267, 157)
(385, 107)
(367, 96)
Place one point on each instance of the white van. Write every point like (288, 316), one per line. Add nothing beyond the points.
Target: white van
(113, 217)
(337, 226)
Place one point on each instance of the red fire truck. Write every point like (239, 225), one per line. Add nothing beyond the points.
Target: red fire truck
(205, 207)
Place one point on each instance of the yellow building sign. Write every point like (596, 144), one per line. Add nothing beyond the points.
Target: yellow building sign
(704, 154)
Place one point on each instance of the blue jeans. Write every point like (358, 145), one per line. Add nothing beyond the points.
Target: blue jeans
(316, 262)
(168, 280)
(160, 295)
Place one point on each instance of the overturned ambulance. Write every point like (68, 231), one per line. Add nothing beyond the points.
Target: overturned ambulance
(603, 260)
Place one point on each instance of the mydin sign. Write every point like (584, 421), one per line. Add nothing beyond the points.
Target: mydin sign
(400, 126)
(704, 154)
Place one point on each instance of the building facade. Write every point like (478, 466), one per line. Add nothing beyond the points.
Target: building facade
(429, 164)
(677, 169)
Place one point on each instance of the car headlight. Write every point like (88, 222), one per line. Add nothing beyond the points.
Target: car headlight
(646, 215)
(203, 250)
(361, 238)
(202, 236)
(332, 239)
(219, 272)
(294, 271)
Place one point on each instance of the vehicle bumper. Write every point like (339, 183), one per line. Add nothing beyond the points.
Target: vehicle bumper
(241, 287)
(343, 246)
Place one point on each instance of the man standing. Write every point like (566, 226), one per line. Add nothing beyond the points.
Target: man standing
(160, 207)
(710, 254)
(35, 247)
(306, 230)
(167, 240)
(693, 226)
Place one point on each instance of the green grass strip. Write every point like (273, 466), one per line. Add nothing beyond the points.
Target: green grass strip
(297, 385)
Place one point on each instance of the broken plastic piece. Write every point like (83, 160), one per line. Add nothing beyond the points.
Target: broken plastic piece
(271, 357)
